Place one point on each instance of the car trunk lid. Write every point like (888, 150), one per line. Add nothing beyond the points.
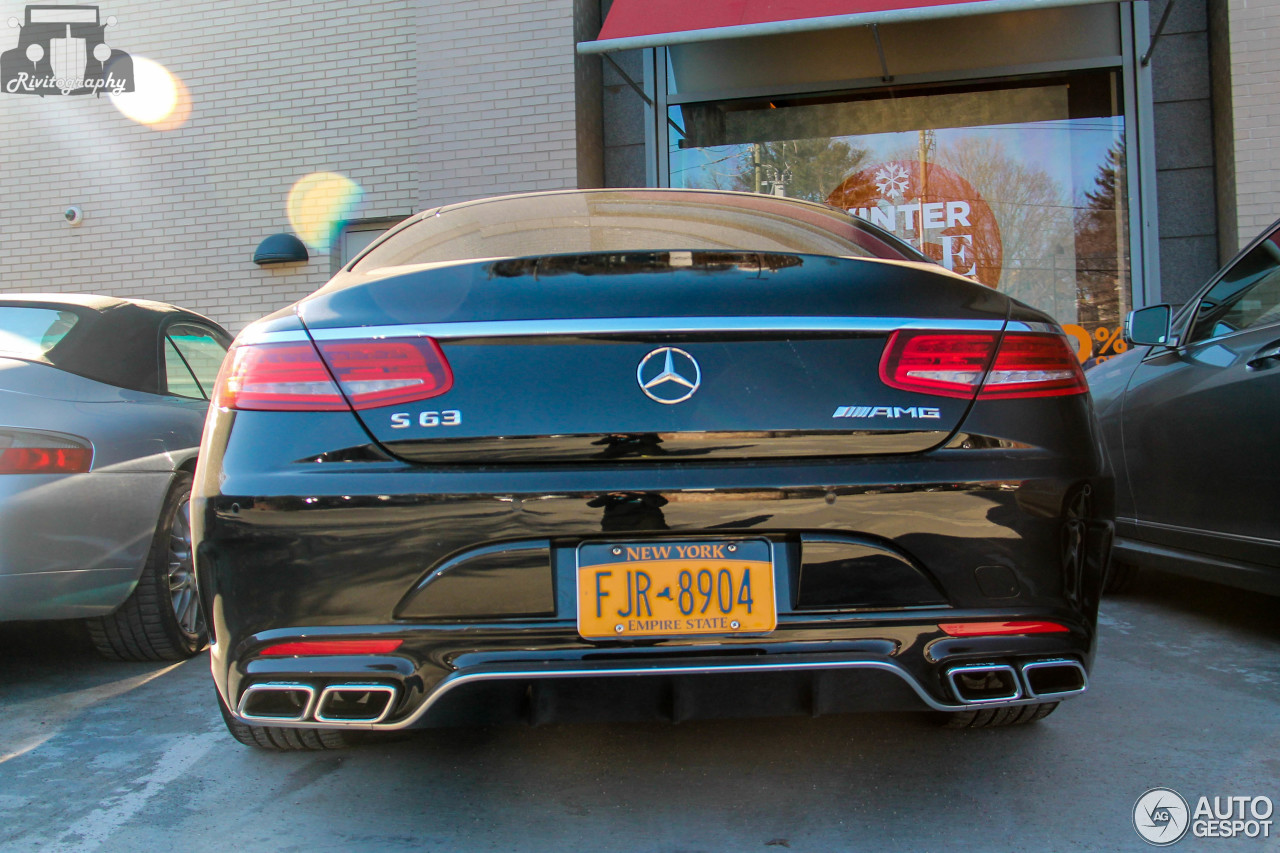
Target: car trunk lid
(657, 356)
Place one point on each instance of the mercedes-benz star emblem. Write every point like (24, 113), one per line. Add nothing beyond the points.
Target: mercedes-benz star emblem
(669, 375)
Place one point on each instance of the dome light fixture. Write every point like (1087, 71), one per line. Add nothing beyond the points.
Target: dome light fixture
(280, 249)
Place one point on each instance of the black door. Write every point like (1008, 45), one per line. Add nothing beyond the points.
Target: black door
(1202, 421)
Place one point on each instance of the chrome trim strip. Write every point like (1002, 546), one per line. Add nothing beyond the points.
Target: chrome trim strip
(1195, 531)
(664, 325)
(276, 687)
(250, 336)
(470, 554)
(639, 325)
(458, 680)
(984, 667)
(391, 692)
(1054, 694)
(445, 686)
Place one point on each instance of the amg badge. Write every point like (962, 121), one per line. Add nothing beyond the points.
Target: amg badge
(887, 412)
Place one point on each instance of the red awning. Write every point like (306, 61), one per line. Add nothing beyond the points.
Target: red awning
(653, 23)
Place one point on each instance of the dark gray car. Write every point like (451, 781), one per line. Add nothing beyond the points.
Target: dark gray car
(102, 401)
(1189, 416)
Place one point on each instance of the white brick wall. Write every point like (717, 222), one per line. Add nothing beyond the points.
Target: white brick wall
(497, 98)
(1255, 68)
(418, 101)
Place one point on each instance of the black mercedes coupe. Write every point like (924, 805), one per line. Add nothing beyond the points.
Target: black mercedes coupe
(646, 454)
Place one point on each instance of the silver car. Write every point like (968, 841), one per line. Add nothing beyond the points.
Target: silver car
(102, 401)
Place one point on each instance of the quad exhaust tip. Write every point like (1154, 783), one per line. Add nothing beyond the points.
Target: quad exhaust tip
(355, 703)
(277, 702)
(1054, 679)
(336, 704)
(981, 684)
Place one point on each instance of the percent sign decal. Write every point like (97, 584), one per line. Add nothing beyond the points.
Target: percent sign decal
(1109, 340)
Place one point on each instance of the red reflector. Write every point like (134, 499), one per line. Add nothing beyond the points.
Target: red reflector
(953, 364)
(278, 377)
(995, 629)
(45, 460)
(332, 647)
(383, 372)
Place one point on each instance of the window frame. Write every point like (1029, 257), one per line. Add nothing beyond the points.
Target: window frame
(1197, 306)
(167, 342)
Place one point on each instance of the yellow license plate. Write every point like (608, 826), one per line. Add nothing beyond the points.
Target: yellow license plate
(675, 588)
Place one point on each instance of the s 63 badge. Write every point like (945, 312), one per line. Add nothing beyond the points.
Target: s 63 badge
(404, 420)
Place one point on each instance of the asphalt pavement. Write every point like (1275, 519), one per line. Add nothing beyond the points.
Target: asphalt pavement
(1185, 694)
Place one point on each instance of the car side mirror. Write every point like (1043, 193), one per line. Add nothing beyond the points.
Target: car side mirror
(1148, 326)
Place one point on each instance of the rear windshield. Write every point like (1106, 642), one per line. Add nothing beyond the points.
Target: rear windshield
(634, 221)
(32, 332)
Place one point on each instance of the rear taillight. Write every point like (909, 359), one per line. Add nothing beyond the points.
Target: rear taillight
(278, 377)
(953, 364)
(941, 363)
(293, 377)
(1031, 365)
(32, 452)
(382, 372)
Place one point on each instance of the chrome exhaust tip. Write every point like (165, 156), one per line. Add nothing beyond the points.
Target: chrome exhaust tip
(1054, 679)
(355, 703)
(981, 684)
(276, 702)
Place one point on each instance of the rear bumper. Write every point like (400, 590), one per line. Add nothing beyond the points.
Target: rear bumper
(674, 689)
(353, 550)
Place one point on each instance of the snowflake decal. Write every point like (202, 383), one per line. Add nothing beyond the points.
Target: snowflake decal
(892, 180)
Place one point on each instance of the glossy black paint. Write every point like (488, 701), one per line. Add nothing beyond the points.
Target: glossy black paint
(566, 386)
(329, 525)
(649, 284)
(1190, 429)
(302, 548)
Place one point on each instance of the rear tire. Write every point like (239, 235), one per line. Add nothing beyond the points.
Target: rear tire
(161, 619)
(991, 718)
(279, 738)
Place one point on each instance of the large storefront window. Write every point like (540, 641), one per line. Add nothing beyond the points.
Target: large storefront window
(1018, 185)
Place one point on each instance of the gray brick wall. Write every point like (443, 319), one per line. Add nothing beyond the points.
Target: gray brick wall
(1255, 68)
(497, 106)
(589, 113)
(1183, 118)
(1223, 129)
(623, 121)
